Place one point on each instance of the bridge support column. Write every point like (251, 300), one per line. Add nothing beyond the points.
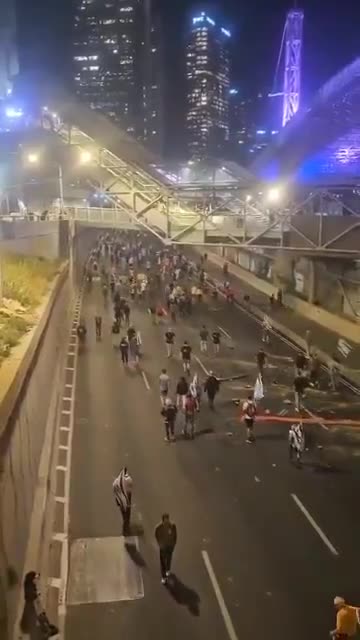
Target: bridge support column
(312, 282)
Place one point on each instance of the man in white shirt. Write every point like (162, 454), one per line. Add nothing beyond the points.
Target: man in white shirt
(122, 488)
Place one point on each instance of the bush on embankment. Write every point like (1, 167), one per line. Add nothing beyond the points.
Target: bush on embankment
(25, 281)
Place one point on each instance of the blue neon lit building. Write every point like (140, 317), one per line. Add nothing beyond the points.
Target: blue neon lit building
(321, 145)
(208, 83)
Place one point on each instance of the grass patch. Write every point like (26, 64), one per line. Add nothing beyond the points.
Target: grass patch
(25, 282)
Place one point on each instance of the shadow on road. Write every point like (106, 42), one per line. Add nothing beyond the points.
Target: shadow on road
(135, 555)
(184, 595)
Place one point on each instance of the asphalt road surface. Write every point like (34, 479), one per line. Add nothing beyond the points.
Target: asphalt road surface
(263, 547)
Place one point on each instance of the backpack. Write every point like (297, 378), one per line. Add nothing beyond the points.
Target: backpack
(250, 411)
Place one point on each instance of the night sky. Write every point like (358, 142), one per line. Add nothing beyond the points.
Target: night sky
(331, 39)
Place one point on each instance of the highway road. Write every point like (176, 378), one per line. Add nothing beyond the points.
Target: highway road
(263, 547)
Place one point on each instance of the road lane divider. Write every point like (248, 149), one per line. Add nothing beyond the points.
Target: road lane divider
(315, 526)
(219, 597)
(205, 370)
(146, 381)
(226, 334)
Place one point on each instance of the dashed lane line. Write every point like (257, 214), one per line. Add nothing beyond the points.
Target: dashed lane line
(205, 370)
(226, 334)
(315, 526)
(219, 597)
(146, 381)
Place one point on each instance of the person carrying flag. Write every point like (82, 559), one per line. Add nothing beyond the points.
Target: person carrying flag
(122, 488)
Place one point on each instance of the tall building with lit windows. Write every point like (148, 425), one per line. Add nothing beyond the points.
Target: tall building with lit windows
(9, 65)
(116, 56)
(208, 83)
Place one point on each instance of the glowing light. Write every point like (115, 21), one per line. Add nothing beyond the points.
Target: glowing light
(85, 157)
(33, 158)
(274, 194)
(13, 112)
(261, 132)
(226, 32)
(210, 21)
(234, 92)
(248, 198)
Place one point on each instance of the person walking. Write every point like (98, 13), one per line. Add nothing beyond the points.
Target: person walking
(166, 537)
(189, 409)
(249, 415)
(347, 620)
(98, 327)
(216, 340)
(195, 390)
(266, 328)
(169, 413)
(204, 336)
(164, 384)
(169, 341)
(182, 389)
(124, 350)
(122, 488)
(211, 388)
(296, 442)
(300, 383)
(261, 359)
(186, 351)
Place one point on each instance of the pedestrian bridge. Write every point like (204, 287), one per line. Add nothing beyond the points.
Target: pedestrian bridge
(229, 212)
(142, 195)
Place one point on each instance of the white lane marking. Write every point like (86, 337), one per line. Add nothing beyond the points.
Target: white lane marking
(63, 447)
(61, 500)
(307, 515)
(54, 582)
(61, 467)
(318, 421)
(66, 412)
(146, 381)
(69, 369)
(224, 332)
(201, 365)
(64, 429)
(59, 537)
(71, 352)
(257, 479)
(282, 412)
(69, 386)
(221, 602)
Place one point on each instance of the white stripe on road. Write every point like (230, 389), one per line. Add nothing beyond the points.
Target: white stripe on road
(146, 381)
(282, 412)
(307, 515)
(226, 334)
(221, 602)
(318, 421)
(201, 365)
(257, 479)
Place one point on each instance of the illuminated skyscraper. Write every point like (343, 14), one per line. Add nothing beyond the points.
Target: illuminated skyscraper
(9, 65)
(115, 63)
(208, 81)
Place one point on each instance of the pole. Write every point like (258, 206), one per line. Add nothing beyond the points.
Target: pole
(61, 189)
(71, 236)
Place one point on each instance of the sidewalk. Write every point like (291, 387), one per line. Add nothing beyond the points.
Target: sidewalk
(286, 322)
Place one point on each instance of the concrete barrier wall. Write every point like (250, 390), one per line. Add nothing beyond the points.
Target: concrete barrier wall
(21, 443)
(39, 239)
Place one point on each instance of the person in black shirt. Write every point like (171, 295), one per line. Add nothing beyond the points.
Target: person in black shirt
(169, 341)
(186, 356)
(182, 389)
(124, 350)
(216, 338)
(261, 361)
(169, 412)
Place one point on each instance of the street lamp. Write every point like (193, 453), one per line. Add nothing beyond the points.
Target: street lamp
(274, 194)
(85, 157)
(33, 158)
